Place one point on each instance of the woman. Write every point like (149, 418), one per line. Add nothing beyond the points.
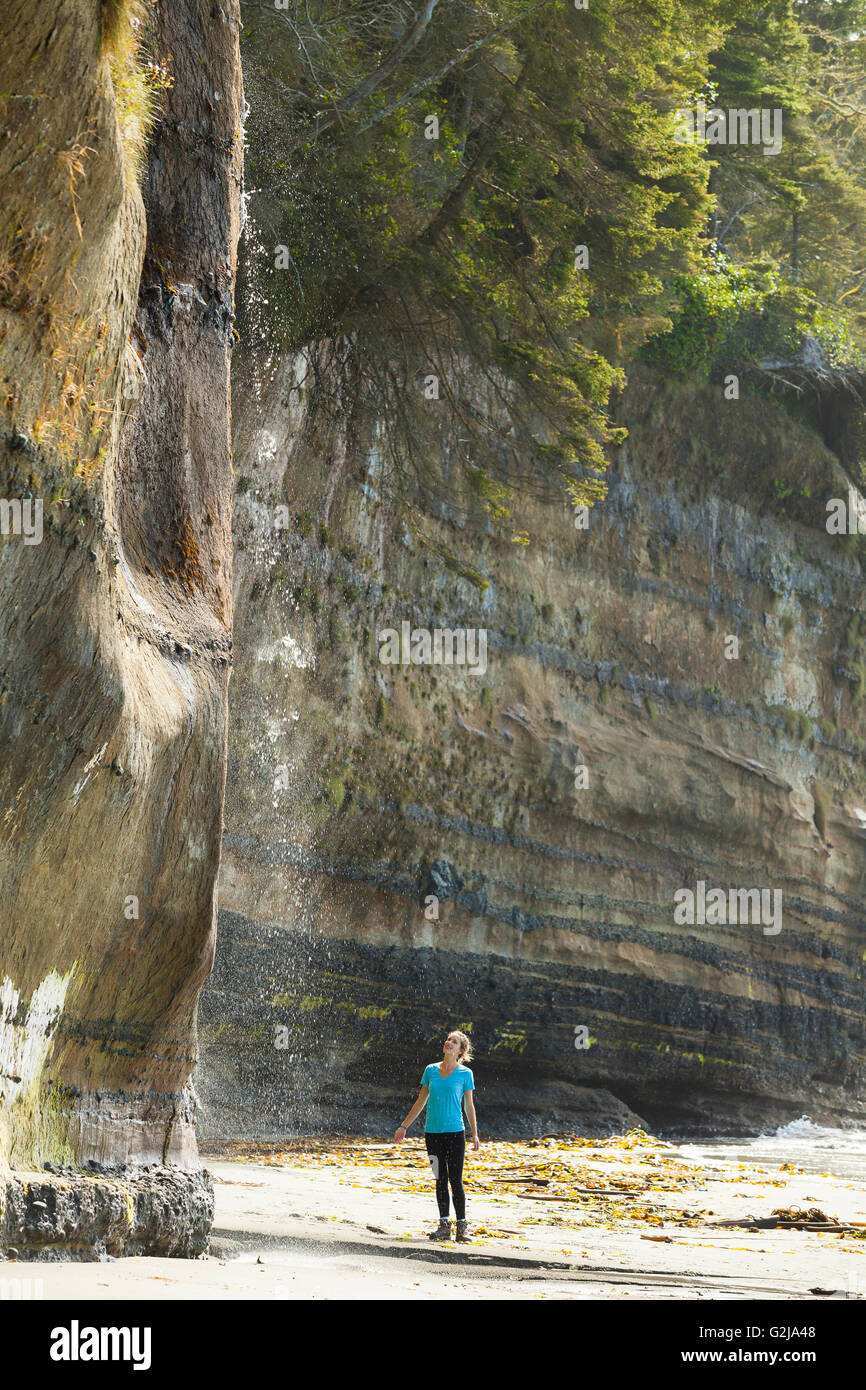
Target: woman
(443, 1086)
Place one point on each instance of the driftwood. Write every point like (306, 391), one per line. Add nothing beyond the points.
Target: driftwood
(794, 1220)
(580, 1191)
(540, 1182)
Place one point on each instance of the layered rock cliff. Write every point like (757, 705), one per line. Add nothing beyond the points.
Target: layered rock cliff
(671, 696)
(363, 798)
(115, 331)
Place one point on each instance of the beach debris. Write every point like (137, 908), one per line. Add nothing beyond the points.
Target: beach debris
(797, 1219)
(802, 1216)
(630, 1179)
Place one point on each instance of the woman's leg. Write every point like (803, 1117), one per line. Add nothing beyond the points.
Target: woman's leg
(436, 1154)
(456, 1154)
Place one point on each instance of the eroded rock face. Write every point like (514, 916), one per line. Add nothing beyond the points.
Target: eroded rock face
(152, 1211)
(360, 792)
(115, 333)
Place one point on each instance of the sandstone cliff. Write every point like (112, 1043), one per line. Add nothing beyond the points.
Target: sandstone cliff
(116, 319)
(358, 792)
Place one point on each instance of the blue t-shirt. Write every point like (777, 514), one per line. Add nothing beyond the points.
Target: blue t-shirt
(445, 1101)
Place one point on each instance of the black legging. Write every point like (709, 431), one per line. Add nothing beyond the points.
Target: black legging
(447, 1152)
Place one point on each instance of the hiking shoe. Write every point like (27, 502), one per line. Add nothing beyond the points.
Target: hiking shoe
(443, 1231)
(462, 1232)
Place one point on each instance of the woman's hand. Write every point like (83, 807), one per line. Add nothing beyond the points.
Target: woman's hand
(476, 1143)
(400, 1134)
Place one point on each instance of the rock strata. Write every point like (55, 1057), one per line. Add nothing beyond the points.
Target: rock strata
(408, 848)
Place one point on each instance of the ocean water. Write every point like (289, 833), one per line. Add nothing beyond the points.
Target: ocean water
(812, 1147)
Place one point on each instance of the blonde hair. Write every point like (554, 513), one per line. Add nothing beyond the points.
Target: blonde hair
(465, 1046)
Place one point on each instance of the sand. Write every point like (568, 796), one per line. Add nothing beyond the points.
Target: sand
(352, 1224)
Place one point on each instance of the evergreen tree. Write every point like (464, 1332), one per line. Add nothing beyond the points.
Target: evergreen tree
(482, 200)
(806, 205)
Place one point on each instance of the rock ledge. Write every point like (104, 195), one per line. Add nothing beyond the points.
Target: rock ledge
(70, 1215)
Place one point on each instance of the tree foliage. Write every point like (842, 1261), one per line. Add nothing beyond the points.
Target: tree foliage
(412, 260)
(485, 213)
(729, 315)
(806, 206)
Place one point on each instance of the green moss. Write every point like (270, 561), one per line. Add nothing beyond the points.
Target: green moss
(336, 791)
(604, 695)
(511, 1042)
(307, 597)
(138, 85)
(790, 720)
(336, 632)
(115, 22)
(822, 808)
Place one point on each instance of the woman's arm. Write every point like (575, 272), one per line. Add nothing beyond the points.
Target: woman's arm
(473, 1123)
(400, 1135)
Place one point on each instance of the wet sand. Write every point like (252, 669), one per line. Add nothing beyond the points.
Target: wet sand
(350, 1221)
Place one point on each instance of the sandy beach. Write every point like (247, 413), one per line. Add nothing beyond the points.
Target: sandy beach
(556, 1218)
